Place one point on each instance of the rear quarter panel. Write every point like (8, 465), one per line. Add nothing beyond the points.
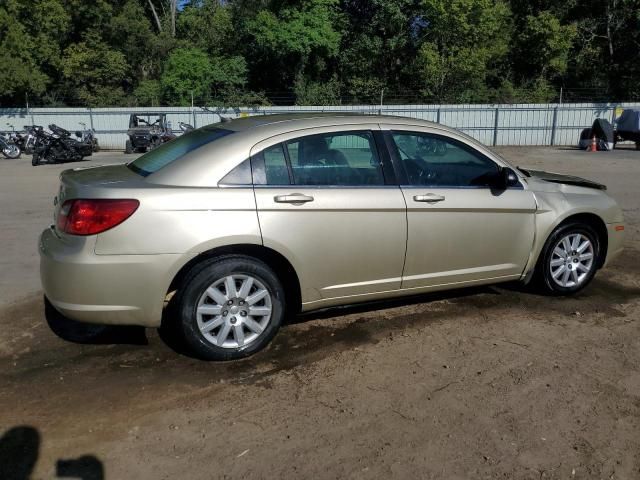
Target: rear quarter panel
(184, 221)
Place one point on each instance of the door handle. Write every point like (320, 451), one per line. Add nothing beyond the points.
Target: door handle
(429, 198)
(294, 198)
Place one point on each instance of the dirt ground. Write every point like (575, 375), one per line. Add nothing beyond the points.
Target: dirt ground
(478, 383)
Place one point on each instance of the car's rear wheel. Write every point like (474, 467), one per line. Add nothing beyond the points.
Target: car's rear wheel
(569, 259)
(229, 308)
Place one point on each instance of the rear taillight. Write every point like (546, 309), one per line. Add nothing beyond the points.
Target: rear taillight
(89, 217)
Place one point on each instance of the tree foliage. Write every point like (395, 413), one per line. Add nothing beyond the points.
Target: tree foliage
(255, 52)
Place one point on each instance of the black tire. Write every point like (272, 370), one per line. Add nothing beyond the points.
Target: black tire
(155, 143)
(71, 330)
(204, 275)
(543, 278)
(35, 159)
(128, 147)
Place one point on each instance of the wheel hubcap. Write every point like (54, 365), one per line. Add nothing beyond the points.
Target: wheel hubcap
(234, 311)
(572, 260)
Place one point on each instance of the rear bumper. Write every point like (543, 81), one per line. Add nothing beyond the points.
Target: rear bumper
(615, 233)
(107, 289)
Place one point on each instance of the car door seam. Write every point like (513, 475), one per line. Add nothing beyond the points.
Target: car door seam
(406, 236)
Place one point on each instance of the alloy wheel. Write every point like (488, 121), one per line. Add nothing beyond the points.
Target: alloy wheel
(572, 260)
(234, 311)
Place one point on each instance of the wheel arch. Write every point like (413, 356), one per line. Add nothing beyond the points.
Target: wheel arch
(598, 224)
(275, 260)
(595, 222)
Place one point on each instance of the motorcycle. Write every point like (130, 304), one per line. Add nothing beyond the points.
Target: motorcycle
(27, 139)
(9, 148)
(87, 135)
(58, 147)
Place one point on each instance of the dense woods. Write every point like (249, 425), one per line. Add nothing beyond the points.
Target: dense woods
(257, 52)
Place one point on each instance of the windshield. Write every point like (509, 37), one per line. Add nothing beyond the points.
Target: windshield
(162, 156)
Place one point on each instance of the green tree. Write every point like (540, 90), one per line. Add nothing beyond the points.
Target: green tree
(131, 33)
(148, 93)
(317, 93)
(291, 41)
(187, 74)
(548, 60)
(208, 25)
(464, 45)
(378, 48)
(20, 74)
(95, 72)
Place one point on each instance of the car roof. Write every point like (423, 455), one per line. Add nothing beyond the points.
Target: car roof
(281, 122)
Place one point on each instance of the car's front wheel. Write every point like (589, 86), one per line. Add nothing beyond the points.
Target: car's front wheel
(229, 308)
(569, 259)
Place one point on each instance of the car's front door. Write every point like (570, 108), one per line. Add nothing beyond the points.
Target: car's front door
(323, 202)
(460, 227)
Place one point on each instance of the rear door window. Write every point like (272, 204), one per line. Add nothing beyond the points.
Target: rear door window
(337, 158)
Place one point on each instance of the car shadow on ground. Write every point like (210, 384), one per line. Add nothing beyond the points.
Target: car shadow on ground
(309, 338)
(303, 332)
(19, 451)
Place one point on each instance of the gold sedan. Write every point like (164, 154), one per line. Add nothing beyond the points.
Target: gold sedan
(241, 223)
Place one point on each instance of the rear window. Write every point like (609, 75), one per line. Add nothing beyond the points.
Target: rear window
(162, 156)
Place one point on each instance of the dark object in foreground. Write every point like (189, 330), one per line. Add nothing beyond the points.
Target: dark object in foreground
(563, 179)
(147, 131)
(628, 126)
(603, 132)
(58, 147)
(89, 333)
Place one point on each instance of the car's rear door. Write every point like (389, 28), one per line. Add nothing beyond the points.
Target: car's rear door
(460, 228)
(324, 202)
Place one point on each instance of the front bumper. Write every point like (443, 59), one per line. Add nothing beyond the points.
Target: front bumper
(107, 289)
(615, 234)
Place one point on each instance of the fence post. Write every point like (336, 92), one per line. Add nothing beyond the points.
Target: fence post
(30, 114)
(91, 118)
(495, 126)
(193, 112)
(554, 125)
(438, 115)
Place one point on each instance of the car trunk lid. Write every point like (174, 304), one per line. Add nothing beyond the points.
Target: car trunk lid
(94, 182)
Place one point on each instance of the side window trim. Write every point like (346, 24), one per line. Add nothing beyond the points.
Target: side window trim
(287, 159)
(396, 162)
(378, 149)
(380, 142)
(259, 169)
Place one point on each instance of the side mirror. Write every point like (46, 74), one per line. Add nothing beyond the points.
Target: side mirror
(507, 178)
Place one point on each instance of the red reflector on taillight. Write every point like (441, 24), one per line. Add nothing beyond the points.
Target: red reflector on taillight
(89, 217)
